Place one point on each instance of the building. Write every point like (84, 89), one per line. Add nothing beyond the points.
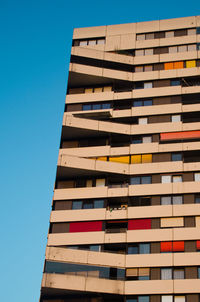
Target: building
(125, 220)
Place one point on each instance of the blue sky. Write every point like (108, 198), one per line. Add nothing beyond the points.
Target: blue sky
(34, 58)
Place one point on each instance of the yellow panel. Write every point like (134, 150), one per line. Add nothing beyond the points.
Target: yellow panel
(98, 89)
(88, 90)
(136, 159)
(190, 64)
(132, 272)
(147, 158)
(143, 271)
(172, 222)
(198, 222)
(120, 159)
(103, 158)
(107, 88)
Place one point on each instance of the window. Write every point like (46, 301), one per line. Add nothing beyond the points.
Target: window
(135, 180)
(175, 82)
(148, 52)
(101, 41)
(143, 120)
(169, 34)
(92, 42)
(146, 139)
(136, 140)
(192, 47)
(176, 157)
(169, 246)
(165, 178)
(98, 204)
(148, 103)
(173, 49)
(166, 273)
(198, 46)
(176, 118)
(140, 37)
(83, 43)
(77, 205)
(167, 299)
(166, 200)
(144, 248)
(133, 250)
(88, 205)
(182, 48)
(179, 299)
(139, 52)
(100, 182)
(143, 298)
(95, 248)
(149, 36)
(148, 85)
(198, 272)
(139, 103)
(177, 178)
(146, 180)
(196, 176)
(198, 30)
(87, 107)
(139, 224)
(178, 273)
(148, 67)
(197, 199)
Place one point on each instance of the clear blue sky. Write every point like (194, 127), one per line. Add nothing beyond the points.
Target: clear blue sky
(34, 57)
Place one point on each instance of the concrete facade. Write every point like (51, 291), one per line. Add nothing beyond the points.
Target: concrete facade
(125, 219)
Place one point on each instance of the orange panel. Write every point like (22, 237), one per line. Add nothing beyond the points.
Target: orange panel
(169, 66)
(178, 65)
(166, 246)
(179, 135)
(178, 246)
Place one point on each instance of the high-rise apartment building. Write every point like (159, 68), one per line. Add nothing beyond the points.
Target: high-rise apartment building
(125, 220)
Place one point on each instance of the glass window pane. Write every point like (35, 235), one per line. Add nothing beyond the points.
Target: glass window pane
(137, 103)
(143, 298)
(178, 273)
(138, 68)
(135, 180)
(176, 157)
(197, 199)
(96, 106)
(139, 52)
(198, 30)
(177, 199)
(136, 141)
(100, 41)
(131, 299)
(99, 204)
(165, 200)
(144, 248)
(149, 36)
(169, 34)
(92, 42)
(182, 48)
(148, 68)
(173, 49)
(140, 37)
(106, 106)
(192, 47)
(88, 205)
(167, 299)
(198, 272)
(133, 250)
(142, 121)
(147, 139)
(148, 103)
(87, 107)
(77, 205)
(197, 176)
(143, 278)
(95, 248)
(83, 43)
(177, 178)
(176, 118)
(198, 46)
(165, 178)
(175, 82)
(148, 85)
(146, 179)
(148, 52)
(166, 273)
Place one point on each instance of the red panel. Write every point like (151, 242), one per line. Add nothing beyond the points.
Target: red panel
(179, 135)
(88, 226)
(166, 246)
(178, 246)
(198, 244)
(139, 224)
